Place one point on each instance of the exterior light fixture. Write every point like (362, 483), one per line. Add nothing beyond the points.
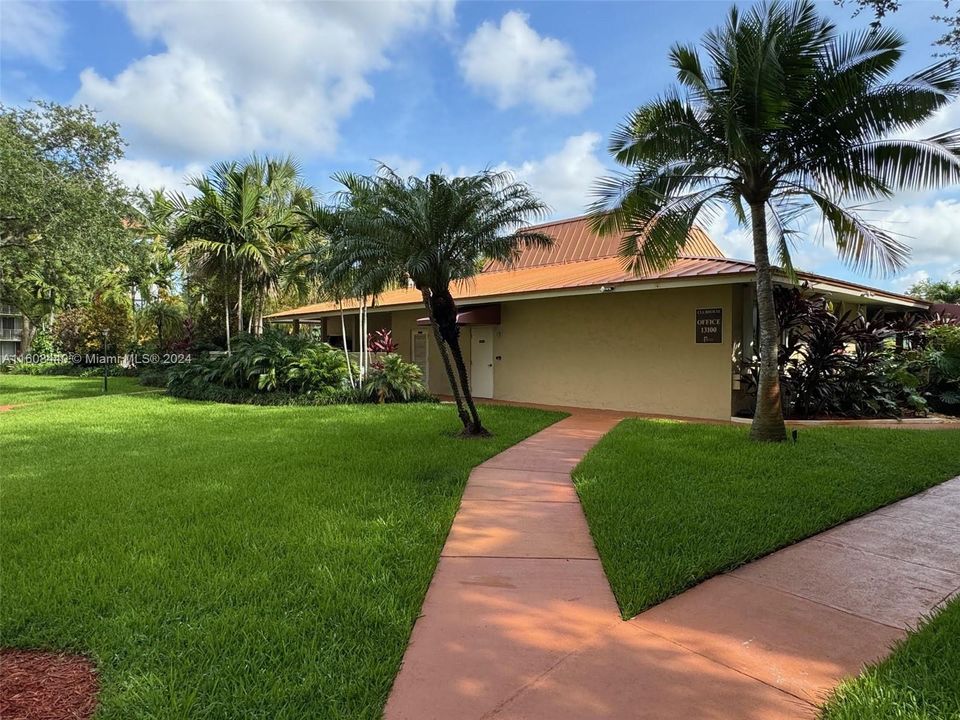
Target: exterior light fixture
(607, 288)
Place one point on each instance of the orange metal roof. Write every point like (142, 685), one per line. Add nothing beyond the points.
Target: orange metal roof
(575, 240)
(561, 276)
(579, 258)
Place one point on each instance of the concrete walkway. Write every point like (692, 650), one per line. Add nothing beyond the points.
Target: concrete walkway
(519, 621)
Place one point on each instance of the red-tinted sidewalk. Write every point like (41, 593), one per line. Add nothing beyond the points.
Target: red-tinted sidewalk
(519, 621)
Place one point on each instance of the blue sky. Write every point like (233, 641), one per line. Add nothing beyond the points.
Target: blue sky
(532, 87)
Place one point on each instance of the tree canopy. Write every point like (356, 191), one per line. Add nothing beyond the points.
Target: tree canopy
(62, 207)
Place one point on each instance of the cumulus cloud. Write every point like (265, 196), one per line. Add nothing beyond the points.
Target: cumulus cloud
(31, 30)
(152, 175)
(564, 179)
(513, 64)
(273, 75)
(932, 231)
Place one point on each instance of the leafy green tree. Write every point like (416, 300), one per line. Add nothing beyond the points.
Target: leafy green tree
(787, 117)
(61, 206)
(434, 232)
(940, 291)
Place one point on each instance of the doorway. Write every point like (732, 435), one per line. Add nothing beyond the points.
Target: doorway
(481, 361)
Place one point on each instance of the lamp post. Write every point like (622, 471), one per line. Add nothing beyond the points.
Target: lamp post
(106, 332)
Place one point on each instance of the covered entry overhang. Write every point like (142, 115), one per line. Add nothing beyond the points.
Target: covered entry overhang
(480, 315)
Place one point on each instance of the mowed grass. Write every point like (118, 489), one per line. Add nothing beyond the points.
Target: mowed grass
(671, 504)
(23, 389)
(919, 681)
(231, 561)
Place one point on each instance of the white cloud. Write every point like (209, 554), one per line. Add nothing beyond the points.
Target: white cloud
(32, 30)
(904, 282)
(513, 64)
(268, 75)
(151, 175)
(564, 179)
(734, 241)
(946, 118)
(932, 231)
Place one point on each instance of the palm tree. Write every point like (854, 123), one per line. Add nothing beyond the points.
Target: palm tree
(788, 117)
(433, 232)
(239, 226)
(317, 267)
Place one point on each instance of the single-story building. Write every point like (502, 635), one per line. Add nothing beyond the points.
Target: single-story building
(568, 325)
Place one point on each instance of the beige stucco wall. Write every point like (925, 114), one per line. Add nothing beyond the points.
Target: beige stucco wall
(626, 351)
(404, 323)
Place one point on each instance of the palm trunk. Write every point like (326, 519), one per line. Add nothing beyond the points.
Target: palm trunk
(768, 417)
(226, 315)
(240, 303)
(476, 427)
(343, 343)
(445, 357)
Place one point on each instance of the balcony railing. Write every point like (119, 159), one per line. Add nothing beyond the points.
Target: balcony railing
(11, 334)
(8, 310)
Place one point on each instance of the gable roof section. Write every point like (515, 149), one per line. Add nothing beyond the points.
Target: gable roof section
(579, 262)
(574, 240)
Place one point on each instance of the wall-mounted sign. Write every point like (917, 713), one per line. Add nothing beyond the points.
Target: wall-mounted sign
(709, 325)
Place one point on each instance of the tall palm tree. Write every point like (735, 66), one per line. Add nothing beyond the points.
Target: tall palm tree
(434, 232)
(239, 225)
(788, 117)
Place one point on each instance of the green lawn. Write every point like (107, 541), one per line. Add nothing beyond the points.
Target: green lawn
(231, 561)
(671, 504)
(919, 681)
(21, 389)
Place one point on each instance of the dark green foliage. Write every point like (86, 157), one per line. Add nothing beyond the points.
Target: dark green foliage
(844, 365)
(672, 504)
(931, 367)
(942, 291)
(273, 362)
(919, 681)
(393, 380)
(61, 206)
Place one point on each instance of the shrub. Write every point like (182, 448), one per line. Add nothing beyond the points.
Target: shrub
(845, 365)
(80, 330)
(273, 363)
(68, 369)
(394, 380)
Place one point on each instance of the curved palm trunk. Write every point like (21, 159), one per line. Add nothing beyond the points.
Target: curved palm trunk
(768, 417)
(444, 309)
(476, 426)
(445, 357)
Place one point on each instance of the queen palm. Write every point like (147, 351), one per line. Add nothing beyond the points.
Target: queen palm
(434, 232)
(788, 116)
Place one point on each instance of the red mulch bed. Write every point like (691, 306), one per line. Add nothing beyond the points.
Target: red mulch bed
(36, 685)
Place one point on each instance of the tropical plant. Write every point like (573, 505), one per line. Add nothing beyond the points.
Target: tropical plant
(394, 380)
(166, 316)
(239, 228)
(381, 341)
(941, 291)
(434, 232)
(789, 116)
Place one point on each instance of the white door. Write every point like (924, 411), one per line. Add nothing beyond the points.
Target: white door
(418, 353)
(481, 361)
